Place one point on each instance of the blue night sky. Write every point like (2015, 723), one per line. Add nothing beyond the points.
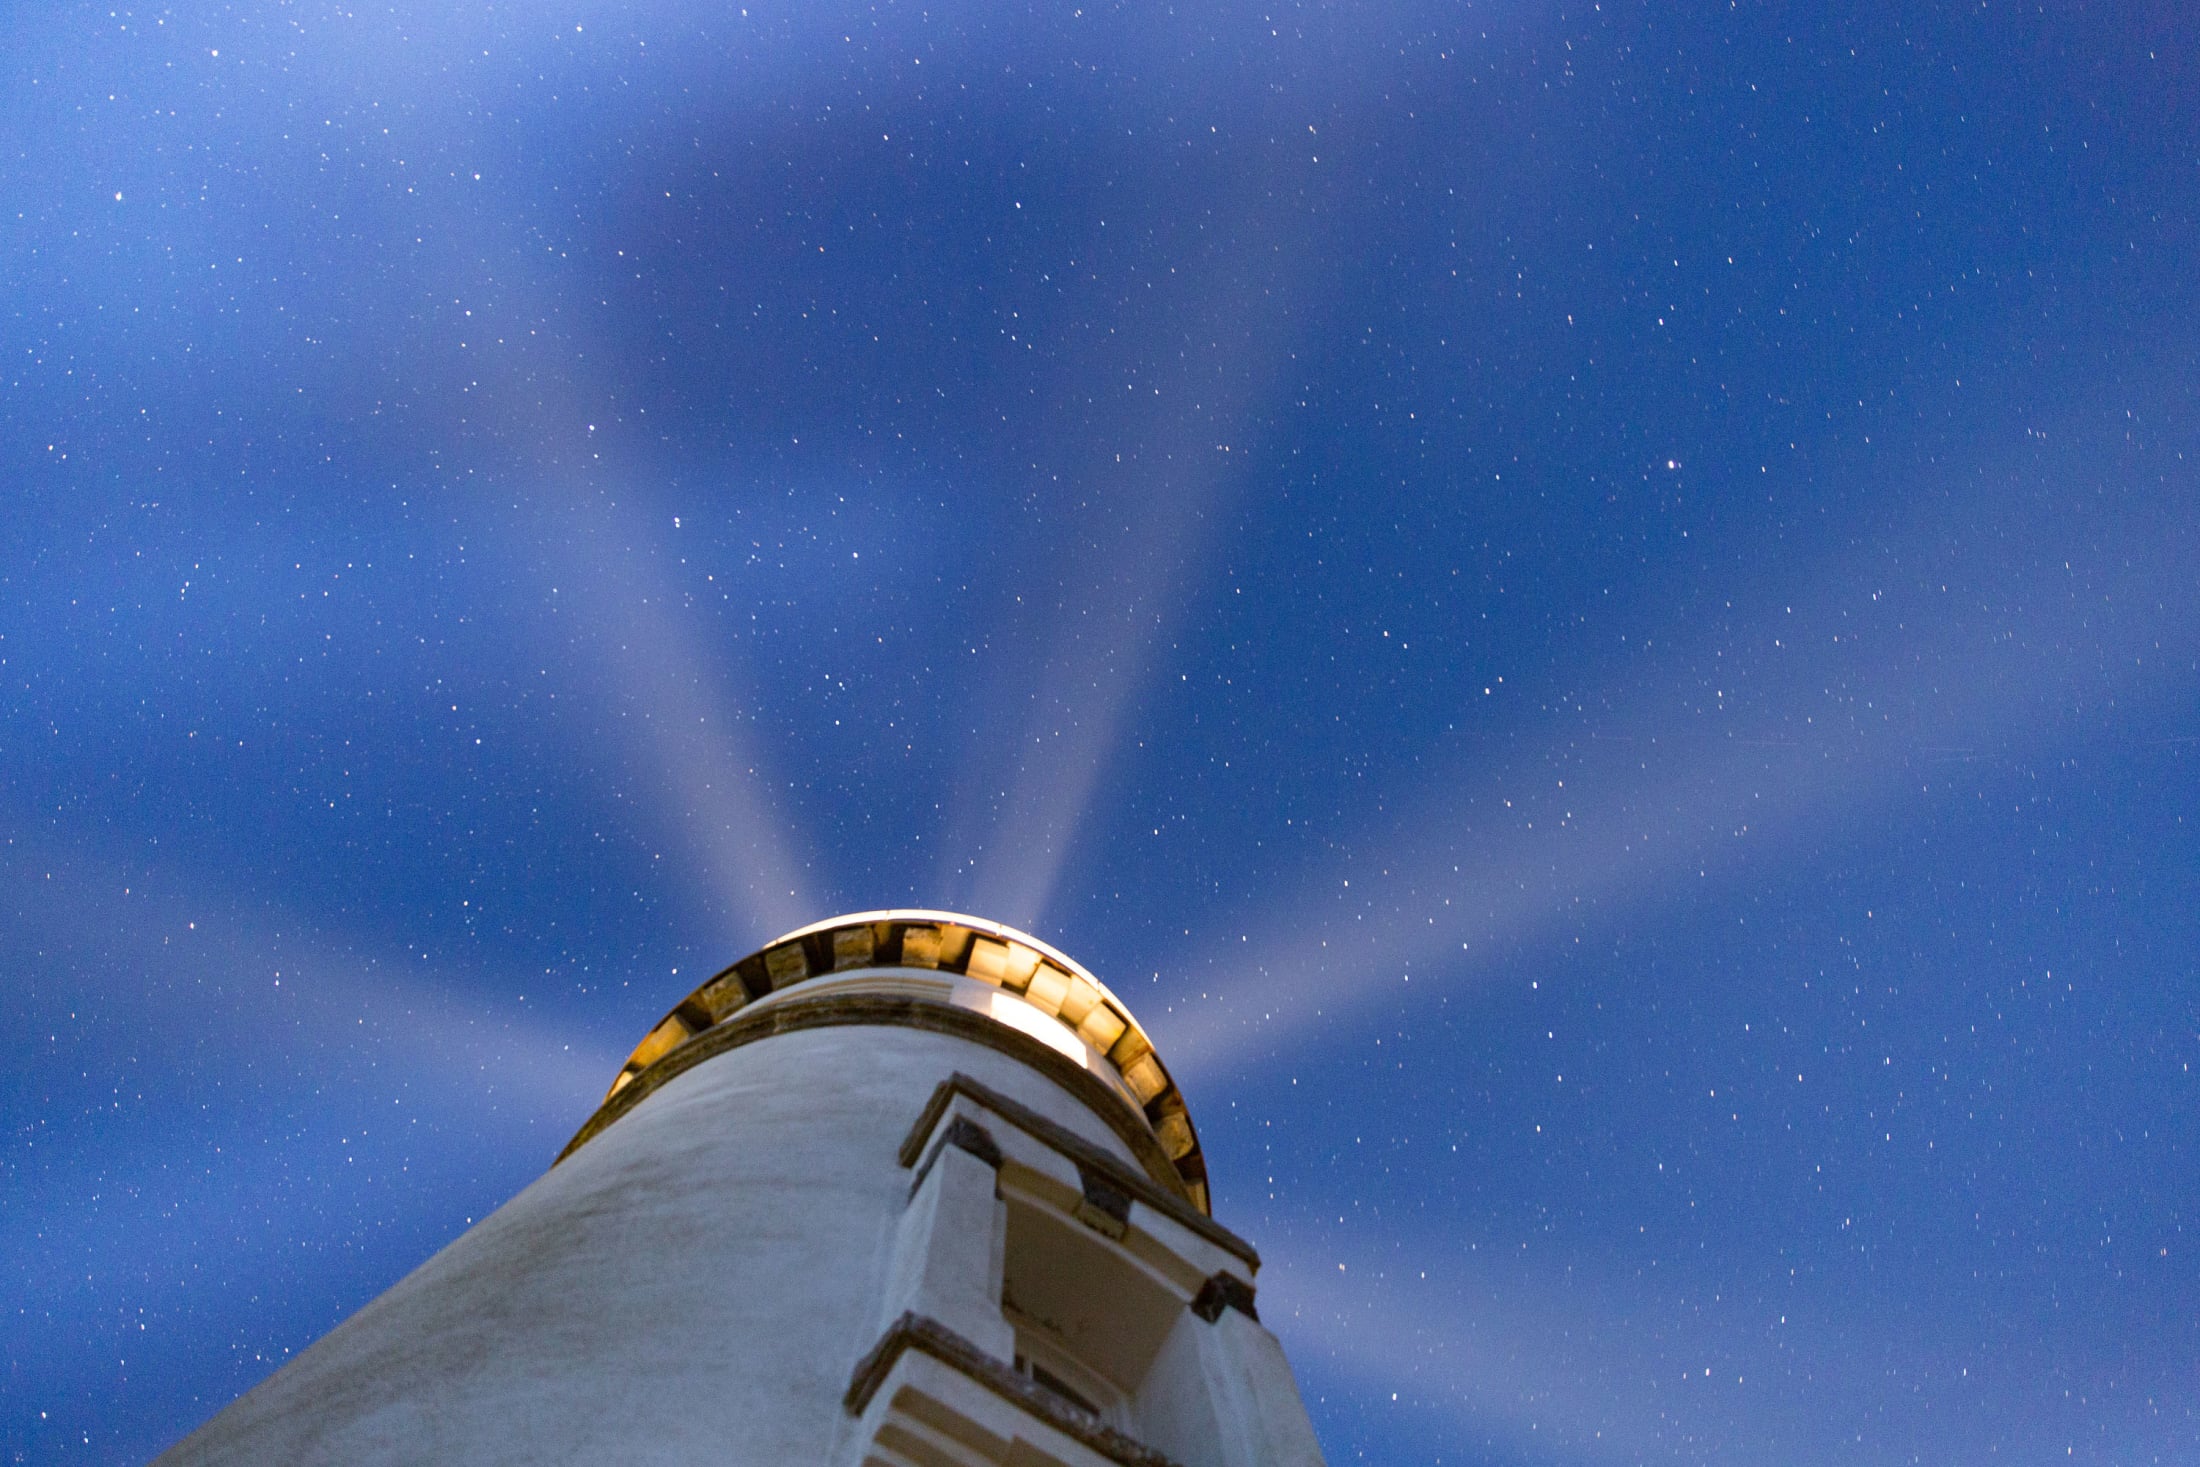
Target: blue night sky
(1592, 610)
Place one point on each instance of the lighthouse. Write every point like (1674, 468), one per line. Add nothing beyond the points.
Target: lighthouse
(902, 1189)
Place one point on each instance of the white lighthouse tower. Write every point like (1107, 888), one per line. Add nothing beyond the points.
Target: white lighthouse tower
(903, 1188)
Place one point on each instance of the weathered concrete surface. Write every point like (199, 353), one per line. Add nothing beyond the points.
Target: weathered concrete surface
(694, 1285)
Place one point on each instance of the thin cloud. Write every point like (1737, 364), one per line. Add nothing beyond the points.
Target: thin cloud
(1578, 1363)
(1837, 703)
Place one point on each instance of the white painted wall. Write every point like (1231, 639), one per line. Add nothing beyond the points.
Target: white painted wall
(695, 1284)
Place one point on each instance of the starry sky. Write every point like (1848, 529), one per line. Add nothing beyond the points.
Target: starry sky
(1593, 610)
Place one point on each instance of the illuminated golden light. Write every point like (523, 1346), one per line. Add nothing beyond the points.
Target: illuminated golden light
(853, 947)
(786, 963)
(1175, 1131)
(920, 947)
(988, 960)
(955, 941)
(1049, 986)
(1079, 1001)
(723, 996)
(1145, 1077)
(1061, 1005)
(1004, 964)
(1008, 1009)
(659, 1043)
(1102, 1027)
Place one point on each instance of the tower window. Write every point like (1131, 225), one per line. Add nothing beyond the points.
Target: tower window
(1039, 1375)
(1089, 1318)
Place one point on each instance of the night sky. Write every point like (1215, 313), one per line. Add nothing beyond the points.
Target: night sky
(1593, 611)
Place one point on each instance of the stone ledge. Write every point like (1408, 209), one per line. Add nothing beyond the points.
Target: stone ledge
(1088, 1157)
(930, 1337)
(858, 1009)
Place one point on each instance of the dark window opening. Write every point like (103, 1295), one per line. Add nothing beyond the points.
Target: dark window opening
(1047, 1380)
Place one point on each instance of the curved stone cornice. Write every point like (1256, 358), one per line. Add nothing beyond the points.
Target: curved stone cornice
(1096, 1042)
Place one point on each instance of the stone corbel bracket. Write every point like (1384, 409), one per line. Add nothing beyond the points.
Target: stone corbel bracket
(1054, 1166)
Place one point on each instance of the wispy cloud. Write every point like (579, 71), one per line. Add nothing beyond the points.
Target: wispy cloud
(1844, 694)
(1589, 1362)
(232, 1123)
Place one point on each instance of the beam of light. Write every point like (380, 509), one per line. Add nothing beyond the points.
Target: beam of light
(595, 555)
(676, 709)
(220, 1016)
(670, 701)
(1857, 687)
(536, 364)
(1211, 348)
(1580, 1363)
(189, 1037)
(1119, 587)
(1175, 434)
(145, 965)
